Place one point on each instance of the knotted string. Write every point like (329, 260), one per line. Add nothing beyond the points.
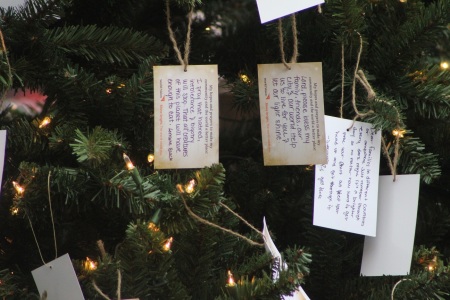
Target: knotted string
(371, 96)
(294, 41)
(183, 60)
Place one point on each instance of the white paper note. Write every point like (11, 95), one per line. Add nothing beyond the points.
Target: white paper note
(346, 188)
(298, 294)
(271, 10)
(292, 114)
(12, 3)
(390, 252)
(186, 116)
(58, 279)
(2, 154)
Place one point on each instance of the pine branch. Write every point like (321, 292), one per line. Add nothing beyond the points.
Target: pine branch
(107, 44)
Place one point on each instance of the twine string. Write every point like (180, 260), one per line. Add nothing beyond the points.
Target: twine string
(294, 41)
(240, 218)
(2, 40)
(52, 220)
(206, 222)
(182, 60)
(395, 286)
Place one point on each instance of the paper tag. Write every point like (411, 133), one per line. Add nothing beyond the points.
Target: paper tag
(292, 114)
(272, 249)
(271, 10)
(186, 116)
(390, 252)
(12, 3)
(2, 154)
(58, 279)
(299, 294)
(346, 188)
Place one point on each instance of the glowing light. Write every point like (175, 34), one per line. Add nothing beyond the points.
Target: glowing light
(244, 78)
(208, 28)
(19, 189)
(431, 267)
(168, 244)
(128, 162)
(152, 226)
(90, 265)
(403, 1)
(150, 158)
(190, 187)
(45, 122)
(108, 90)
(230, 281)
(445, 65)
(14, 211)
(398, 132)
(122, 85)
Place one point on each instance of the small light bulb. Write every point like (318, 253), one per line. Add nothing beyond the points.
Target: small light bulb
(431, 268)
(398, 132)
(190, 187)
(445, 65)
(15, 211)
(230, 281)
(108, 90)
(168, 244)
(244, 78)
(150, 158)
(128, 162)
(19, 189)
(121, 86)
(152, 226)
(208, 28)
(90, 265)
(403, 1)
(45, 122)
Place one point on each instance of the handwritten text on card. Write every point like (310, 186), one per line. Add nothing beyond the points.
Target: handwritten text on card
(346, 188)
(292, 117)
(186, 116)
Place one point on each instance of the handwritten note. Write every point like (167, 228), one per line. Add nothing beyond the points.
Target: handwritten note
(390, 252)
(292, 114)
(271, 10)
(346, 188)
(58, 279)
(186, 116)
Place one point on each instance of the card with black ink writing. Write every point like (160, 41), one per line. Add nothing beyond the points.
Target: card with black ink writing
(346, 188)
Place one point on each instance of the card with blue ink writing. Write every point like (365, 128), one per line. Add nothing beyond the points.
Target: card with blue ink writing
(346, 188)
(270, 10)
(292, 114)
(186, 107)
(390, 252)
(58, 280)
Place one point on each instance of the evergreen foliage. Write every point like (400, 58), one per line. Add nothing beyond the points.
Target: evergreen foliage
(93, 63)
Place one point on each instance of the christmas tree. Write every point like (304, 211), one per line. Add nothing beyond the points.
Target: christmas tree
(79, 174)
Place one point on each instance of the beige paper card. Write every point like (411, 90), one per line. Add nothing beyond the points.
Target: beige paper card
(58, 279)
(292, 114)
(186, 116)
